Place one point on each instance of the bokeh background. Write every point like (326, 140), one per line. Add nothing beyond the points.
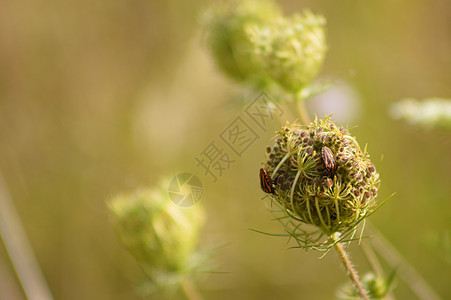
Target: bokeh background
(101, 97)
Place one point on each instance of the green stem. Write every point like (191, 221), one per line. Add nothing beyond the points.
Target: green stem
(342, 254)
(190, 290)
(300, 105)
(371, 256)
(405, 271)
(19, 249)
(344, 257)
(372, 259)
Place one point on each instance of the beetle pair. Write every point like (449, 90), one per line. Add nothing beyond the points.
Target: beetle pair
(329, 163)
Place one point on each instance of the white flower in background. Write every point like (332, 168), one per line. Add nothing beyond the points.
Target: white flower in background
(429, 113)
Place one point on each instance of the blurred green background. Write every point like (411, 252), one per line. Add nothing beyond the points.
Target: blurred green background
(102, 97)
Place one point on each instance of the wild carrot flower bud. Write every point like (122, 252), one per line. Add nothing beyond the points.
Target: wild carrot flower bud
(376, 286)
(322, 177)
(228, 29)
(160, 235)
(292, 49)
(430, 113)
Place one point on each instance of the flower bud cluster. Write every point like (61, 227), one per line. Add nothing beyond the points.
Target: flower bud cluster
(252, 41)
(376, 286)
(292, 49)
(306, 189)
(228, 27)
(160, 235)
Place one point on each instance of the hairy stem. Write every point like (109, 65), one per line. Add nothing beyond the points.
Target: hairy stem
(342, 254)
(344, 257)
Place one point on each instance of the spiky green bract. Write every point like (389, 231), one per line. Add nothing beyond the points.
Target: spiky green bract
(228, 27)
(160, 235)
(307, 194)
(432, 113)
(376, 286)
(292, 49)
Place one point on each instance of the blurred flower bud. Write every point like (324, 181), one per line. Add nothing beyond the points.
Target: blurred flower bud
(228, 29)
(376, 286)
(292, 49)
(332, 190)
(430, 113)
(160, 235)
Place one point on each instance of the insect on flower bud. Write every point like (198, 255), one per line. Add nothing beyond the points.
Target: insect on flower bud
(326, 190)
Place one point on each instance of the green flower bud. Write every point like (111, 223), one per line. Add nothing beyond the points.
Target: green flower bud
(333, 196)
(430, 113)
(376, 286)
(292, 49)
(228, 29)
(160, 235)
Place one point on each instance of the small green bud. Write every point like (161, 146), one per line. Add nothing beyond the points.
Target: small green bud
(332, 190)
(376, 286)
(430, 113)
(229, 27)
(160, 235)
(292, 49)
